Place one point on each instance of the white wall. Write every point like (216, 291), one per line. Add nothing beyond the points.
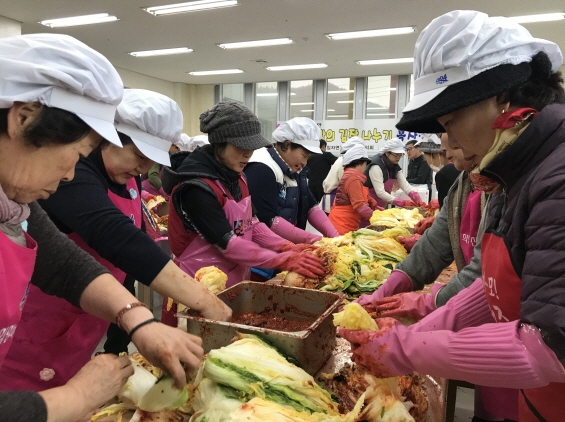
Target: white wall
(192, 99)
(9, 27)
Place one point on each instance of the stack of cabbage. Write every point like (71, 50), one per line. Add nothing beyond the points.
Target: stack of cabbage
(364, 260)
(396, 217)
(250, 381)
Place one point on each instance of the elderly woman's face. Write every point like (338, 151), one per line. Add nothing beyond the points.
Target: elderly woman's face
(122, 164)
(455, 156)
(28, 173)
(471, 129)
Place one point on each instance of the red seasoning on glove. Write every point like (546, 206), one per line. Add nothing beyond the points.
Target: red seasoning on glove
(409, 242)
(423, 225)
(296, 247)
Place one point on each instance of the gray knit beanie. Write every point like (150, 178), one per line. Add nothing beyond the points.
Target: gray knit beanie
(233, 123)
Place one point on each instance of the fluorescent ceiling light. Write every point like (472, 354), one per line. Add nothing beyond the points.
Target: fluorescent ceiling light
(306, 111)
(377, 108)
(386, 61)
(79, 20)
(215, 72)
(380, 114)
(392, 89)
(345, 102)
(545, 17)
(372, 33)
(162, 52)
(342, 91)
(268, 94)
(261, 43)
(330, 109)
(338, 115)
(191, 6)
(297, 104)
(298, 66)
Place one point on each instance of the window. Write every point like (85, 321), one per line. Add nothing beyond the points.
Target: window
(232, 92)
(341, 95)
(266, 100)
(302, 99)
(381, 97)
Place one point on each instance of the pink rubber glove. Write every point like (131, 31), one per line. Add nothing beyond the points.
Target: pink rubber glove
(397, 202)
(423, 225)
(397, 282)
(415, 197)
(146, 196)
(409, 242)
(290, 232)
(411, 305)
(374, 204)
(509, 355)
(320, 221)
(298, 247)
(265, 237)
(364, 211)
(248, 253)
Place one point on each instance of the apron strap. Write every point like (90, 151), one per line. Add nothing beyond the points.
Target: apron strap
(532, 408)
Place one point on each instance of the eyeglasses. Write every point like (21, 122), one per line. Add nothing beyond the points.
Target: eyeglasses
(399, 156)
(409, 149)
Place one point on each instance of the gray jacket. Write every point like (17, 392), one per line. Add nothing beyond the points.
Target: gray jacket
(436, 249)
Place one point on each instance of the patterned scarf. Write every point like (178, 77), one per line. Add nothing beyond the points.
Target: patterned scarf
(508, 127)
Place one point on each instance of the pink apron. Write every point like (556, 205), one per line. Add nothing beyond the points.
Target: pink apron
(199, 253)
(16, 268)
(388, 187)
(55, 338)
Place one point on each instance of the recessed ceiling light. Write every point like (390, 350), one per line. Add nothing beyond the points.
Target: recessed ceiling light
(297, 104)
(191, 6)
(342, 91)
(215, 72)
(260, 43)
(372, 33)
(79, 20)
(386, 61)
(545, 17)
(345, 102)
(161, 52)
(297, 66)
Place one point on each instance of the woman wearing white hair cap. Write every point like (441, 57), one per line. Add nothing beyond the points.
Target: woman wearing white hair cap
(383, 171)
(498, 94)
(278, 183)
(101, 212)
(352, 201)
(331, 181)
(58, 99)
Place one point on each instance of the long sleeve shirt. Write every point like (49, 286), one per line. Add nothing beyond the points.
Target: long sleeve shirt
(376, 175)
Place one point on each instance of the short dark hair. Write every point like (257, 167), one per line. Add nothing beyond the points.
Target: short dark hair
(124, 139)
(541, 89)
(412, 142)
(53, 126)
(323, 143)
(355, 163)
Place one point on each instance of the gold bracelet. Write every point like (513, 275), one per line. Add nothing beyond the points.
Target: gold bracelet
(126, 308)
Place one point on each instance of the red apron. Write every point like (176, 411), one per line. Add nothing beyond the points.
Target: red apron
(503, 288)
(16, 268)
(55, 338)
(469, 227)
(344, 217)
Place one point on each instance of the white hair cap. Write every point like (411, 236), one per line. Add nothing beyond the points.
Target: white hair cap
(356, 152)
(153, 121)
(59, 71)
(302, 131)
(395, 146)
(354, 140)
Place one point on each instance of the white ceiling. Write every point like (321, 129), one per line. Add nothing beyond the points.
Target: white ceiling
(305, 21)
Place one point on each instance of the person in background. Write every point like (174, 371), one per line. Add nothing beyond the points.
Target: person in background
(100, 210)
(352, 201)
(331, 181)
(419, 171)
(212, 221)
(501, 100)
(319, 166)
(278, 183)
(51, 83)
(383, 171)
(197, 142)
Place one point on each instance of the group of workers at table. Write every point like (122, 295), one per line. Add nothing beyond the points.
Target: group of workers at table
(73, 144)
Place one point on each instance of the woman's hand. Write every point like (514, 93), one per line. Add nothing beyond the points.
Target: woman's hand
(171, 349)
(100, 380)
(216, 310)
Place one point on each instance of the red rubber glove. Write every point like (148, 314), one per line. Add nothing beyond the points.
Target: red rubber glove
(411, 305)
(373, 204)
(298, 247)
(409, 242)
(301, 262)
(397, 282)
(422, 204)
(423, 225)
(409, 203)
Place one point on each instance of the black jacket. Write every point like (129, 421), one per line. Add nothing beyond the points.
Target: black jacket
(532, 221)
(319, 165)
(419, 172)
